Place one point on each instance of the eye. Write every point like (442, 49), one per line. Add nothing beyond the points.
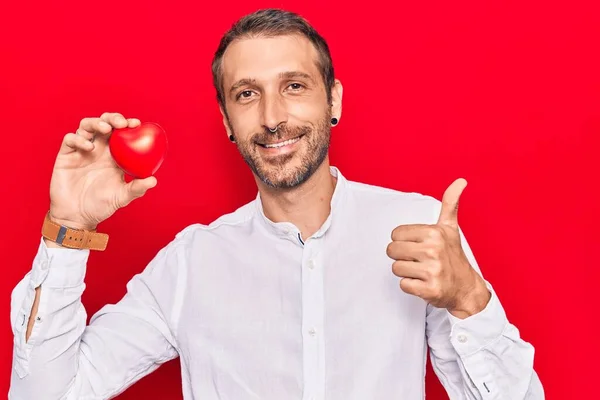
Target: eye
(246, 94)
(296, 86)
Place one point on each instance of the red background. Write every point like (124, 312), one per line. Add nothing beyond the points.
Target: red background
(503, 93)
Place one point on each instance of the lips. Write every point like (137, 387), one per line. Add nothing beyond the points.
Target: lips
(280, 143)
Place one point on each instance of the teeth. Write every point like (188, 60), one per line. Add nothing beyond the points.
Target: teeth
(277, 145)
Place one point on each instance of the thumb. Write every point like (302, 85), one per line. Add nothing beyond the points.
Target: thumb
(137, 188)
(449, 211)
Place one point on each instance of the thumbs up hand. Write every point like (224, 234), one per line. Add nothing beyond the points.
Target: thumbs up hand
(432, 264)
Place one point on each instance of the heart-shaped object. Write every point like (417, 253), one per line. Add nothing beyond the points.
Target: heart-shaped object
(139, 151)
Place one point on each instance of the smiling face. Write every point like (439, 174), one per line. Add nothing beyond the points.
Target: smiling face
(271, 82)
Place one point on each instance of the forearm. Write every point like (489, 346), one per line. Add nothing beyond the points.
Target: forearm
(34, 310)
(501, 369)
(61, 356)
(492, 361)
(36, 302)
(477, 352)
(48, 320)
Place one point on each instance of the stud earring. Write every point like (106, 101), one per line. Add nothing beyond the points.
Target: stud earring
(334, 121)
(231, 138)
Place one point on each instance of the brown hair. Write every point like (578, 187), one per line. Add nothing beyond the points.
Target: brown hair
(268, 23)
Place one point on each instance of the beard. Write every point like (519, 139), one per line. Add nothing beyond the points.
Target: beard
(281, 171)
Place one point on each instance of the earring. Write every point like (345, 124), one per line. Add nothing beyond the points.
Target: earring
(231, 138)
(334, 121)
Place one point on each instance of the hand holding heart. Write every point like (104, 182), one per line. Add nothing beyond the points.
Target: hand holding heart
(432, 263)
(87, 185)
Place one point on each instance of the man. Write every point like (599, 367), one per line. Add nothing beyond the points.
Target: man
(294, 295)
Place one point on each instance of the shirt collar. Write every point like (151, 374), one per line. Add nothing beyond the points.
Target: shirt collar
(289, 230)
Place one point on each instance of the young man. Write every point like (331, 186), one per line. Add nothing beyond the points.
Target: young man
(292, 296)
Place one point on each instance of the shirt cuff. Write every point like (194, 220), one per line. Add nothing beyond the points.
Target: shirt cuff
(59, 267)
(473, 333)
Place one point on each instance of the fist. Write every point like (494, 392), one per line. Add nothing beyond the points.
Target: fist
(432, 264)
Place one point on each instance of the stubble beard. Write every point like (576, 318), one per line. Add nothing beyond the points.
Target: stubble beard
(277, 172)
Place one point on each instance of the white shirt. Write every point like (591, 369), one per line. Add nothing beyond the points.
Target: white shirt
(255, 313)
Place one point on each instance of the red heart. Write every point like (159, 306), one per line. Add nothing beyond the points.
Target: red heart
(139, 151)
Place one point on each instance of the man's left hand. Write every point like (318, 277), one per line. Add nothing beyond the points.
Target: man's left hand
(432, 264)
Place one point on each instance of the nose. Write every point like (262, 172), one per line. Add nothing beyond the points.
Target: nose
(273, 110)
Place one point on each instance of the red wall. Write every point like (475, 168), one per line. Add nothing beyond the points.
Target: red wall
(503, 93)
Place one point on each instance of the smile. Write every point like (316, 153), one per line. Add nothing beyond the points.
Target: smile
(280, 144)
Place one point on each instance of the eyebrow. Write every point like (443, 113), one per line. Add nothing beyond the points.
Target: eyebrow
(282, 75)
(242, 82)
(296, 74)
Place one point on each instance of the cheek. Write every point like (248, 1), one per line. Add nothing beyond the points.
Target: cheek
(306, 114)
(244, 124)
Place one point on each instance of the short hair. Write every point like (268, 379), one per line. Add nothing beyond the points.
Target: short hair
(273, 22)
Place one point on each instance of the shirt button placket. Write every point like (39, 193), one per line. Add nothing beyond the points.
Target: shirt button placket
(312, 317)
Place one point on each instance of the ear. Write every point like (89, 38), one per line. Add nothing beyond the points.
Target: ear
(225, 122)
(336, 99)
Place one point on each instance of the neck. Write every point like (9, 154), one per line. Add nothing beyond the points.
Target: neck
(306, 206)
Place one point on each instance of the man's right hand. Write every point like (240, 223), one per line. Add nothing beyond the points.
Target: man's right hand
(87, 186)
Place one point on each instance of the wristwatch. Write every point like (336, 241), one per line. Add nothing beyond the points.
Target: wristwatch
(73, 238)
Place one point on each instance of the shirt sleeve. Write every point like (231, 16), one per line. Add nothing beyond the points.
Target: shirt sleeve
(483, 356)
(65, 358)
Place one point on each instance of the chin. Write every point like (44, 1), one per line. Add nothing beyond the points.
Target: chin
(284, 178)
(284, 175)
(288, 169)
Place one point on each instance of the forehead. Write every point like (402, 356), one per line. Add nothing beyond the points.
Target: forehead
(263, 58)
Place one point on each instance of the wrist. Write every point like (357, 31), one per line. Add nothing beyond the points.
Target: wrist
(59, 232)
(53, 245)
(73, 223)
(474, 300)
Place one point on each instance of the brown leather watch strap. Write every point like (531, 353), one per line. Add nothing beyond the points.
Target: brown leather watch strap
(73, 238)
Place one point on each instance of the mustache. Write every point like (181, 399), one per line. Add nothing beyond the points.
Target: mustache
(284, 132)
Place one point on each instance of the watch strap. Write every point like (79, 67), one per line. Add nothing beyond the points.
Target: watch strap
(73, 238)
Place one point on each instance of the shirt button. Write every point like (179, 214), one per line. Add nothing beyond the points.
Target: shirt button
(312, 332)
(462, 338)
(311, 264)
